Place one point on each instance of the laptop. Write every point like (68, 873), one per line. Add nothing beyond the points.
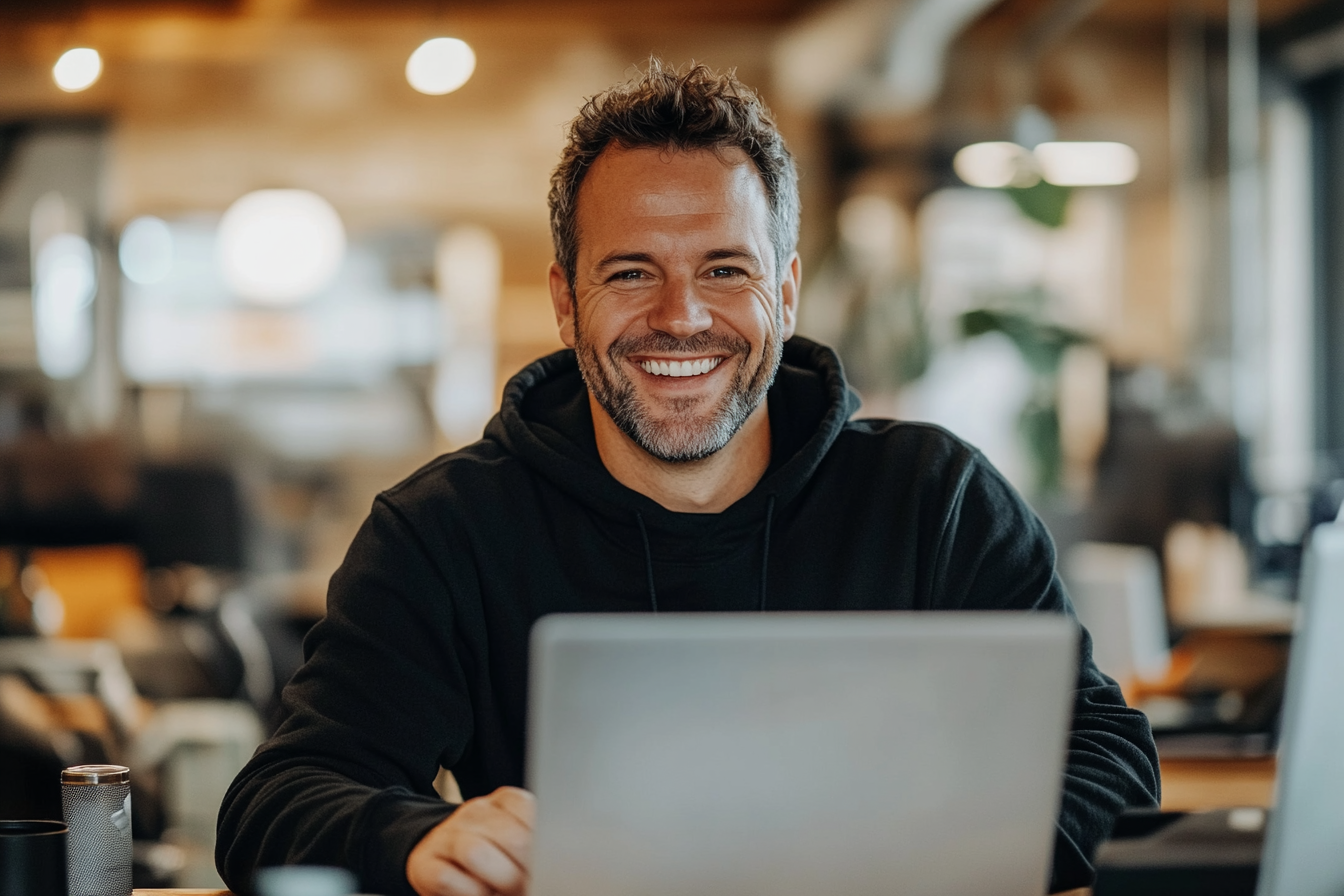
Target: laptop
(1304, 841)
(1299, 850)
(794, 754)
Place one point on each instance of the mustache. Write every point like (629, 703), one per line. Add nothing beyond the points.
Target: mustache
(664, 343)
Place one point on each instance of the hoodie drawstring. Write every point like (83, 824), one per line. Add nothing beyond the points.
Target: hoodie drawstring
(765, 555)
(765, 549)
(648, 561)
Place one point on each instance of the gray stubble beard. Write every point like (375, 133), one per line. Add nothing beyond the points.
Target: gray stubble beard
(683, 436)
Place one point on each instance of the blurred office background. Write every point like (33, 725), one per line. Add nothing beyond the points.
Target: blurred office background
(259, 259)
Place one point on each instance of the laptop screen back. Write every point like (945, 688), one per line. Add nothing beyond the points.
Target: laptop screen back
(1304, 845)
(919, 753)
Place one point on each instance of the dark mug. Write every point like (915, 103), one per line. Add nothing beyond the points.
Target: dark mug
(32, 858)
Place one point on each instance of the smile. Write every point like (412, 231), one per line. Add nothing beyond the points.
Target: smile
(680, 368)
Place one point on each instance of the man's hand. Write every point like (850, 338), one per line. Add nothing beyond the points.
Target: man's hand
(483, 848)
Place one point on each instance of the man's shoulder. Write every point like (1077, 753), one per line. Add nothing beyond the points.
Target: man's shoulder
(925, 443)
(921, 461)
(471, 472)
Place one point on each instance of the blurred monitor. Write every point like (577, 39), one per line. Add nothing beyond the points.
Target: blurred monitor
(1117, 592)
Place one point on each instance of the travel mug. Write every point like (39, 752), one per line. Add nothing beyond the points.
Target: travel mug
(32, 858)
(97, 802)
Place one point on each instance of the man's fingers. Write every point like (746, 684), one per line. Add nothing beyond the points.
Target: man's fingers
(482, 849)
(488, 861)
(519, 803)
(453, 881)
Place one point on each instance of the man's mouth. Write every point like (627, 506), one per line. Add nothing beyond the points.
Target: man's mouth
(695, 367)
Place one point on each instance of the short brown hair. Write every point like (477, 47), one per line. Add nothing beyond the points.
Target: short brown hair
(697, 109)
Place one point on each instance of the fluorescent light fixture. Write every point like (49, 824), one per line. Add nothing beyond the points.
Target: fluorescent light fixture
(64, 284)
(77, 69)
(440, 65)
(995, 164)
(279, 247)
(146, 251)
(1087, 164)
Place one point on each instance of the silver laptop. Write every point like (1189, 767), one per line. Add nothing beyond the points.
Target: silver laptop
(782, 754)
(1304, 843)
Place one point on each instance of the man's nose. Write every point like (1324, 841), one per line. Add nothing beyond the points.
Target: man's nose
(680, 310)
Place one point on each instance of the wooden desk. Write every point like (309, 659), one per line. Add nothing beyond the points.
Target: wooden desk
(1193, 785)
(225, 892)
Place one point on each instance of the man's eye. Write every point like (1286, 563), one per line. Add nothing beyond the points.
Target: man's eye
(627, 275)
(720, 273)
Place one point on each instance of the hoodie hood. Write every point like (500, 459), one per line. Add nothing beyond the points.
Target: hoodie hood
(546, 422)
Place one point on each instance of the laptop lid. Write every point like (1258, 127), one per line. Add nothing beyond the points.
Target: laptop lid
(795, 754)
(1304, 843)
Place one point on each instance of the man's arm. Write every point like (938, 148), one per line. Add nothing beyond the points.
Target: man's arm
(997, 555)
(382, 696)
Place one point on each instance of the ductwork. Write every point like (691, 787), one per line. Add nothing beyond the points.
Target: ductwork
(884, 56)
(913, 73)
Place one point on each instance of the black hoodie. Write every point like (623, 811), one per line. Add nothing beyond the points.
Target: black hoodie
(421, 661)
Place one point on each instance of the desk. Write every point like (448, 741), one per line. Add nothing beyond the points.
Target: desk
(225, 892)
(1193, 785)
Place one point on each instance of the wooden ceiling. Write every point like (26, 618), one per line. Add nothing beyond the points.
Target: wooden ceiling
(613, 12)
(702, 12)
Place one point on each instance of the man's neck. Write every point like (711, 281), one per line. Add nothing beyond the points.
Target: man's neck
(710, 485)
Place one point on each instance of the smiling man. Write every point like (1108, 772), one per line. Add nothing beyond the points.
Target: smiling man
(677, 308)
(688, 453)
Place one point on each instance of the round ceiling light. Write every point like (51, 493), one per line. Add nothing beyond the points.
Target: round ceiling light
(77, 69)
(440, 65)
(280, 246)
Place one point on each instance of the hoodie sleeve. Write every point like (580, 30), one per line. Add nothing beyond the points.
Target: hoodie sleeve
(347, 778)
(997, 555)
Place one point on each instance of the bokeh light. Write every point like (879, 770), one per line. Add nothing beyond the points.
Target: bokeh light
(64, 284)
(77, 69)
(280, 246)
(1078, 164)
(440, 66)
(146, 251)
(995, 164)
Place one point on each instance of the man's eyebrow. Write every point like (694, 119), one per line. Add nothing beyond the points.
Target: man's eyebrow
(732, 252)
(616, 258)
(724, 254)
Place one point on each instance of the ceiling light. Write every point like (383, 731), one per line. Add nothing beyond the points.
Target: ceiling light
(1087, 164)
(146, 251)
(440, 66)
(280, 246)
(77, 69)
(997, 164)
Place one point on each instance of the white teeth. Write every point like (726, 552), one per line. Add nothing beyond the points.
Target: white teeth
(680, 368)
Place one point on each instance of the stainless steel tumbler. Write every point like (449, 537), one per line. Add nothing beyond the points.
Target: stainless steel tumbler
(97, 803)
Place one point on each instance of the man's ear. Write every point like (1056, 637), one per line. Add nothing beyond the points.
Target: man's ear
(788, 295)
(563, 301)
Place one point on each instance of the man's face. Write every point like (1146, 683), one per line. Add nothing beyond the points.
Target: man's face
(678, 315)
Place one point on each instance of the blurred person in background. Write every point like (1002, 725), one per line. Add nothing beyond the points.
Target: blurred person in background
(687, 453)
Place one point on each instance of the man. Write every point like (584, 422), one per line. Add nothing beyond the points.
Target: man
(688, 454)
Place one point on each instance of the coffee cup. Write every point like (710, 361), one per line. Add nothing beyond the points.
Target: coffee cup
(32, 858)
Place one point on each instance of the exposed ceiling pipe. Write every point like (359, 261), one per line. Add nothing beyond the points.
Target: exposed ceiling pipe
(913, 74)
(828, 58)
(876, 56)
